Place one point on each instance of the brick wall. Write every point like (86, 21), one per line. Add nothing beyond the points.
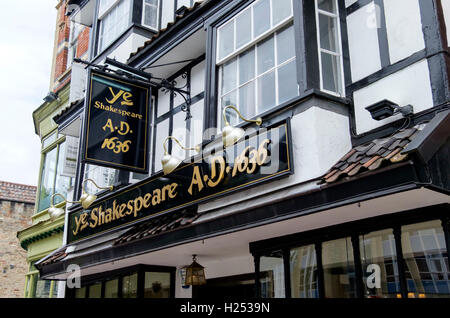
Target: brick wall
(14, 216)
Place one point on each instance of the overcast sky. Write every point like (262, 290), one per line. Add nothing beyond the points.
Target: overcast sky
(26, 45)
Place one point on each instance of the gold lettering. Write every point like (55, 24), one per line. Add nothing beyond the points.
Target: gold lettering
(84, 222)
(173, 187)
(196, 180)
(156, 199)
(221, 161)
(77, 225)
(123, 206)
(109, 125)
(147, 202)
(130, 207)
(93, 218)
(116, 213)
(138, 203)
(108, 216)
(115, 96)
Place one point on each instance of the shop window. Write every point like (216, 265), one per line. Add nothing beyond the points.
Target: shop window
(256, 58)
(303, 272)
(112, 288)
(129, 286)
(115, 17)
(95, 291)
(379, 264)
(52, 178)
(157, 285)
(330, 47)
(103, 176)
(80, 292)
(426, 259)
(272, 284)
(38, 288)
(150, 17)
(338, 268)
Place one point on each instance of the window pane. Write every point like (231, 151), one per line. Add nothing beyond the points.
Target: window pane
(244, 27)
(281, 9)
(338, 268)
(63, 184)
(47, 179)
(266, 56)
(304, 279)
(129, 286)
(151, 15)
(114, 23)
(157, 285)
(266, 91)
(80, 292)
(246, 66)
(247, 100)
(379, 264)
(330, 74)
(43, 288)
(95, 291)
(328, 33)
(55, 289)
(112, 288)
(49, 140)
(285, 44)
(229, 76)
(327, 5)
(229, 99)
(425, 254)
(287, 82)
(103, 177)
(272, 276)
(261, 17)
(226, 39)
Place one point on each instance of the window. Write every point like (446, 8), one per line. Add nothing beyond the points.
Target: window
(330, 47)
(52, 178)
(271, 269)
(103, 176)
(157, 285)
(304, 277)
(150, 16)
(129, 286)
(37, 288)
(256, 59)
(75, 29)
(114, 20)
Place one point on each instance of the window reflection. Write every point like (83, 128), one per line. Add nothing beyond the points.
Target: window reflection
(379, 264)
(272, 276)
(338, 268)
(129, 286)
(426, 259)
(304, 279)
(157, 285)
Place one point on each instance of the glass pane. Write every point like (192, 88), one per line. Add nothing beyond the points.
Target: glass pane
(43, 288)
(261, 17)
(272, 276)
(103, 177)
(266, 91)
(114, 23)
(63, 184)
(55, 289)
(327, 5)
(281, 9)
(330, 74)
(244, 27)
(129, 286)
(226, 39)
(151, 15)
(246, 66)
(95, 291)
(230, 99)
(157, 285)
(285, 44)
(247, 100)
(112, 288)
(304, 279)
(338, 268)
(425, 254)
(162, 131)
(229, 76)
(153, 2)
(266, 56)
(49, 140)
(80, 292)
(379, 264)
(287, 82)
(47, 179)
(328, 33)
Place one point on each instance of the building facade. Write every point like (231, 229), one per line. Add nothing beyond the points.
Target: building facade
(45, 234)
(339, 188)
(16, 209)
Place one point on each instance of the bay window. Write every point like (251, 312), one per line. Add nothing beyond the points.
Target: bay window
(115, 17)
(256, 58)
(150, 16)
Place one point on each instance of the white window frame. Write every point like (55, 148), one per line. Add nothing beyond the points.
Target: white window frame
(101, 18)
(338, 46)
(144, 5)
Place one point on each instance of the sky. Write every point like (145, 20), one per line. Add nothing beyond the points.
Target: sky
(26, 46)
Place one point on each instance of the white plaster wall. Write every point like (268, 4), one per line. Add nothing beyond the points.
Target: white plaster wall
(319, 138)
(404, 28)
(77, 82)
(348, 3)
(198, 79)
(446, 9)
(216, 267)
(131, 44)
(408, 86)
(363, 42)
(167, 12)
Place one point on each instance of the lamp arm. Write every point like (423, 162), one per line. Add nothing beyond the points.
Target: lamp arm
(178, 142)
(60, 195)
(103, 188)
(258, 120)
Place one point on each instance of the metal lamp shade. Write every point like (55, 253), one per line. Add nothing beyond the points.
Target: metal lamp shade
(195, 274)
(231, 135)
(87, 200)
(169, 163)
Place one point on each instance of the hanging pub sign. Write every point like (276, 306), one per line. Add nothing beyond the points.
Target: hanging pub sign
(262, 156)
(116, 125)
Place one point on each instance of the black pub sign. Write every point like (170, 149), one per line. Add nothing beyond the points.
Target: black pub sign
(262, 156)
(116, 125)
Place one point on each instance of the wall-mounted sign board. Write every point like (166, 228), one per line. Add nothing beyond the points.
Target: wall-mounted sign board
(116, 122)
(263, 156)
